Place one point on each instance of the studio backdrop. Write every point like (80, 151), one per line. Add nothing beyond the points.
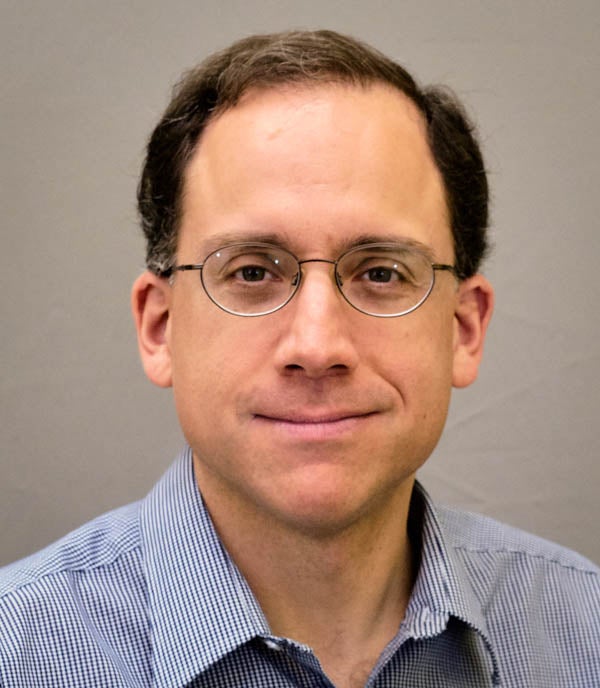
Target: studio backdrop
(84, 82)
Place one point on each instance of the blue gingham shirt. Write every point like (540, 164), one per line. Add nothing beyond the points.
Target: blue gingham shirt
(147, 596)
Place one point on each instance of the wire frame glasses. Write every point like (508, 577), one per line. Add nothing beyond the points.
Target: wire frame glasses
(385, 280)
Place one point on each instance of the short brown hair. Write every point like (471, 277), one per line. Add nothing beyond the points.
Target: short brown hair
(265, 61)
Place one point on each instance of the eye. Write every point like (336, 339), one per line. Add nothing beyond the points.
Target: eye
(383, 272)
(382, 275)
(251, 273)
(254, 268)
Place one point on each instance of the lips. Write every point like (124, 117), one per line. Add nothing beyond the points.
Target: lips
(310, 427)
(314, 418)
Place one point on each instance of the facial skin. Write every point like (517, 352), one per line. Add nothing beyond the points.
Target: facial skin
(317, 416)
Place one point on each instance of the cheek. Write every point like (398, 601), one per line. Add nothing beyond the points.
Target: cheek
(417, 362)
(212, 358)
(203, 361)
(204, 387)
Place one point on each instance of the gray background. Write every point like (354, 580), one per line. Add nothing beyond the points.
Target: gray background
(82, 85)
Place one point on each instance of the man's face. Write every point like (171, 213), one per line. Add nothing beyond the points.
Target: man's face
(315, 414)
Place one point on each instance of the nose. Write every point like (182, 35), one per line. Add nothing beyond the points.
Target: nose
(318, 338)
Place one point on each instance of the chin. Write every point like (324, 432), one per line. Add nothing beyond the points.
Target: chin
(322, 512)
(321, 522)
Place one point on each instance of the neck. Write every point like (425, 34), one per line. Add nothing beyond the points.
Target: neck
(343, 594)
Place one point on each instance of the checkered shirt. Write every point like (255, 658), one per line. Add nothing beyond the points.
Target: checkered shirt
(146, 596)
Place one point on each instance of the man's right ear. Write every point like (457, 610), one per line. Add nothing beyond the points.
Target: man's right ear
(150, 306)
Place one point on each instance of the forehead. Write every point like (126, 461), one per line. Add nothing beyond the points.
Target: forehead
(353, 158)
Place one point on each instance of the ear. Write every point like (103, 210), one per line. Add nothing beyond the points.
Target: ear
(474, 306)
(150, 306)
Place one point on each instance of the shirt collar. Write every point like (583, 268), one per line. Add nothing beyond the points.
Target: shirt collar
(443, 586)
(200, 605)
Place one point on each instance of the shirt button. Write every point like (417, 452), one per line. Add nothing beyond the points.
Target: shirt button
(272, 645)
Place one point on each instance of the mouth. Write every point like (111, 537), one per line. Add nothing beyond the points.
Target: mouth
(314, 427)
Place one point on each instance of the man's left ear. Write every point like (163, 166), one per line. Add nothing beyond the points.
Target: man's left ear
(474, 306)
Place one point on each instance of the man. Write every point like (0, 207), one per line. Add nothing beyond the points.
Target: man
(315, 224)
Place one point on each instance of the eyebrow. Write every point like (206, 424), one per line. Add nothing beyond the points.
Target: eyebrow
(239, 237)
(281, 240)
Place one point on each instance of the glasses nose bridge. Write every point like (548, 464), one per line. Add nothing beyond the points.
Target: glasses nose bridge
(318, 260)
(301, 278)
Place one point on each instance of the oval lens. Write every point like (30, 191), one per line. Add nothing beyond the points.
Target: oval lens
(385, 279)
(249, 279)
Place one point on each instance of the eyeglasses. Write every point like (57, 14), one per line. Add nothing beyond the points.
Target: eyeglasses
(385, 280)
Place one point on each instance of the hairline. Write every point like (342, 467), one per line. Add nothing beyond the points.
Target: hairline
(307, 60)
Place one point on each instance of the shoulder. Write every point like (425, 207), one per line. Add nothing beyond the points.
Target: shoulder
(66, 610)
(500, 558)
(54, 588)
(99, 543)
(540, 601)
(476, 536)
